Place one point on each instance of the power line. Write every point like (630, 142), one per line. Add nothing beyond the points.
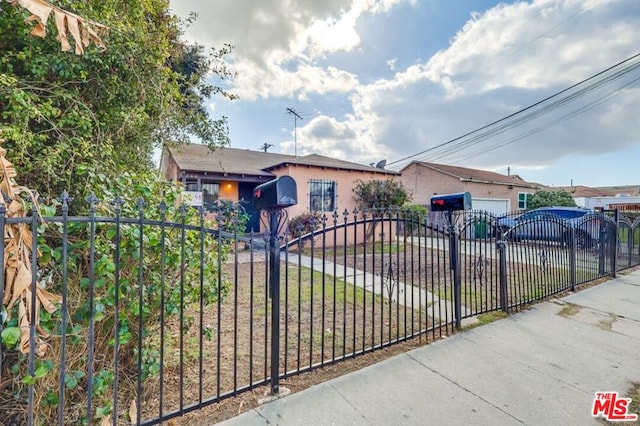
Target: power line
(489, 130)
(579, 10)
(564, 118)
(535, 113)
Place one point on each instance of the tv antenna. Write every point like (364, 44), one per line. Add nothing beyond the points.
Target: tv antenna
(265, 146)
(293, 112)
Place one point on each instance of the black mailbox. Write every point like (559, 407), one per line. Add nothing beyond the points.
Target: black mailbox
(276, 194)
(451, 202)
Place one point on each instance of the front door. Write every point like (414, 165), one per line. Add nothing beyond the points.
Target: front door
(245, 197)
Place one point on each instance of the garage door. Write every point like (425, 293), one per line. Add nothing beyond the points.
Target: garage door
(491, 205)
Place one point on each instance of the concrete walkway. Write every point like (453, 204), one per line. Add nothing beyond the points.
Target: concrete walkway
(538, 367)
(380, 285)
(377, 284)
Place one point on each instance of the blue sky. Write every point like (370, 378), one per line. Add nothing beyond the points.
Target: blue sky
(387, 79)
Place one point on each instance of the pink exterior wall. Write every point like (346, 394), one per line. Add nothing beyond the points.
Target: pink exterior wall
(346, 180)
(423, 183)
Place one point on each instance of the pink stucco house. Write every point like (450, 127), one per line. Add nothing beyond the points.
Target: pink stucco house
(324, 184)
(490, 191)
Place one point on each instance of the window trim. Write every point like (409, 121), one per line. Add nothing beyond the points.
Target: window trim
(525, 201)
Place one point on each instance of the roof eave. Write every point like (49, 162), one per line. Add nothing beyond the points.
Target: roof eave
(226, 174)
(320, 166)
(518, 184)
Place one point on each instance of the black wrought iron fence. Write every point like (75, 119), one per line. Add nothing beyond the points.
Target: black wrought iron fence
(164, 313)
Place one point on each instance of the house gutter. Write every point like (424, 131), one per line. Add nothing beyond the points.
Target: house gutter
(499, 183)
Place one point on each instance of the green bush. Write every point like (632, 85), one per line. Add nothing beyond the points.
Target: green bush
(413, 217)
(545, 198)
(164, 295)
(304, 223)
(232, 217)
(377, 193)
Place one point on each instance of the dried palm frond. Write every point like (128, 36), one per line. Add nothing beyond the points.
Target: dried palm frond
(18, 275)
(83, 31)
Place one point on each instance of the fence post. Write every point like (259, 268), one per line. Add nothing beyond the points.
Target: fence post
(602, 243)
(454, 260)
(501, 246)
(274, 293)
(629, 247)
(573, 253)
(272, 198)
(614, 243)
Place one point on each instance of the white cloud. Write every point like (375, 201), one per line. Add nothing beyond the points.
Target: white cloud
(275, 81)
(501, 61)
(270, 35)
(392, 63)
(332, 138)
(536, 45)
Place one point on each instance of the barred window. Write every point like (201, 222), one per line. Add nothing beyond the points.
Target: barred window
(322, 195)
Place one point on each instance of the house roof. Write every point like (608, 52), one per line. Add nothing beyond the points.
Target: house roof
(579, 191)
(476, 175)
(328, 162)
(632, 190)
(199, 158)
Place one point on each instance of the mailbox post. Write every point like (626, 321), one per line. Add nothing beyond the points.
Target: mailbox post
(449, 203)
(271, 198)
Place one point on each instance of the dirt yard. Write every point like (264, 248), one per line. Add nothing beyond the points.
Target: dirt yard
(320, 320)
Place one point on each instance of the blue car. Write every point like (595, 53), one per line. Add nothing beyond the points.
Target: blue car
(550, 224)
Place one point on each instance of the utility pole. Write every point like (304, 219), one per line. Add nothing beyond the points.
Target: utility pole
(293, 112)
(265, 146)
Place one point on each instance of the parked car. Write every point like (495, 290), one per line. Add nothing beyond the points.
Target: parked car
(533, 226)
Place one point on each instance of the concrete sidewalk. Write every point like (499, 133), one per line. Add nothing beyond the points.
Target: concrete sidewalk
(538, 367)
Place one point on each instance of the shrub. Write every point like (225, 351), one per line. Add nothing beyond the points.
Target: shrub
(380, 194)
(550, 198)
(154, 277)
(414, 216)
(304, 223)
(231, 216)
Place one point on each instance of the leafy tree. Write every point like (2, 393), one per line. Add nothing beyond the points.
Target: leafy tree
(65, 115)
(550, 198)
(67, 118)
(167, 255)
(380, 193)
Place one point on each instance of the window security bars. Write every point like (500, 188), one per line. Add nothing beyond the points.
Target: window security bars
(322, 195)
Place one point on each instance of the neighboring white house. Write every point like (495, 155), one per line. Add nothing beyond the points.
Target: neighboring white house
(606, 203)
(604, 198)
